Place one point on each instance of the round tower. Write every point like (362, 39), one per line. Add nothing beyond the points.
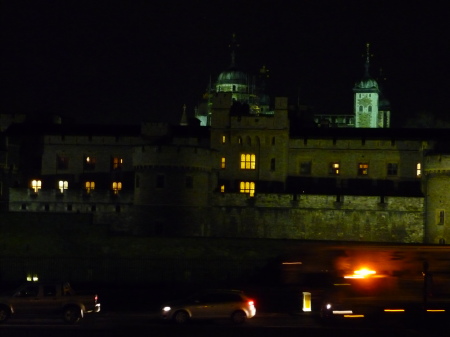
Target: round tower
(437, 198)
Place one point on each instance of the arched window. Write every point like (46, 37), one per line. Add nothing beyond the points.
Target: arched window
(36, 185)
(89, 186)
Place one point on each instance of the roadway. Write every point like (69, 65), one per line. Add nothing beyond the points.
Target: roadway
(136, 323)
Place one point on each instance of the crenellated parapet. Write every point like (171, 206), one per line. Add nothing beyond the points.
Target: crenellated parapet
(437, 164)
(150, 156)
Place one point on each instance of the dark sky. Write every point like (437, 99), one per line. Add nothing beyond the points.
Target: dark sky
(127, 61)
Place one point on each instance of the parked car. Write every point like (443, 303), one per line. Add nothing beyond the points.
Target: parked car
(210, 304)
(46, 299)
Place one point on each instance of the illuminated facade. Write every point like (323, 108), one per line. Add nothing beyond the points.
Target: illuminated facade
(247, 91)
(244, 176)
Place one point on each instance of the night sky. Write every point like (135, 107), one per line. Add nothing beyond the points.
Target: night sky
(129, 61)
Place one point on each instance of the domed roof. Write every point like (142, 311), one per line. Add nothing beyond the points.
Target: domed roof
(232, 76)
(367, 83)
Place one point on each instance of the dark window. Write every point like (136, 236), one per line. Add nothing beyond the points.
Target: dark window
(49, 290)
(29, 291)
(272, 164)
(441, 217)
(392, 169)
(160, 181)
(137, 181)
(305, 167)
(189, 182)
(62, 162)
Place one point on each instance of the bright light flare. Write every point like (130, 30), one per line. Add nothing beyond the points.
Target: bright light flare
(361, 273)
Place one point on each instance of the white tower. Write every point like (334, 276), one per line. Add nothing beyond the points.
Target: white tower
(366, 99)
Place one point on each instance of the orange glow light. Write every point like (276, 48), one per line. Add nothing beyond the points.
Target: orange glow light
(361, 273)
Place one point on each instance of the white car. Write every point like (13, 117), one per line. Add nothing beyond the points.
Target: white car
(211, 304)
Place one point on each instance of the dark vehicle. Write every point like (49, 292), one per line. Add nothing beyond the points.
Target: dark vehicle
(368, 295)
(46, 299)
(210, 304)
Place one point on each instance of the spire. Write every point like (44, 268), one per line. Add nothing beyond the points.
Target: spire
(366, 66)
(184, 116)
(233, 46)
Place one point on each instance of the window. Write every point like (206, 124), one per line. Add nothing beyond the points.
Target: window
(222, 188)
(89, 163)
(137, 181)
(441, 217)
(117, 163)
(36, 185)
(63, 185)
(116, 187)
(189, 182)
(247, 187)
(369, 108)
(248, 161)
(363, 169)
(334, 168)
(49, 290)
(418, 170)
(305, 167)
(223, 163)
(392, 169)
(224, 139)
(272, 164)
(89, 186)
(273, 140)
(239, 140)
(360, 108)
(160, 181)
(62, 162)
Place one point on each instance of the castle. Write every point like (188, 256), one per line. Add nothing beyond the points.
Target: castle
(242, 168)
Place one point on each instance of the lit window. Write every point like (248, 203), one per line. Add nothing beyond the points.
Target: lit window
(36, 185)
(224, 139)
(117, 163)
(418, 169)
(222, 188)
(63, 185)
(62, 162)
(116, 187)
(363, 169)
(247, 187)
(89, 163)
(334, 168)
(223, 163)
(89, 186)
(392, 169)
(248, 161)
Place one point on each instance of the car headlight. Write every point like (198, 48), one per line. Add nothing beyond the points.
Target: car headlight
(166, 309)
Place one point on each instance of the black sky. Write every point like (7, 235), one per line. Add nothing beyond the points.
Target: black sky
(128, 61)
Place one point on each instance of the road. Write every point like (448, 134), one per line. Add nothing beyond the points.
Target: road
(265, 324)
